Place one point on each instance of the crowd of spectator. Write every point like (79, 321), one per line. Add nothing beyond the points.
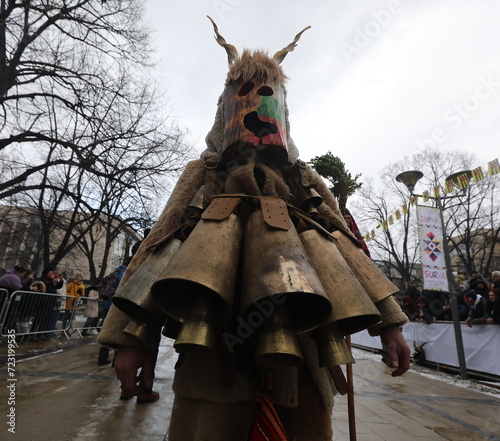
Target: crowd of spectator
(42, 306)
(478, 302)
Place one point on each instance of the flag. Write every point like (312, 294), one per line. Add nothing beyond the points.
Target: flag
(463, 180)
(493, 167)
(477, 174)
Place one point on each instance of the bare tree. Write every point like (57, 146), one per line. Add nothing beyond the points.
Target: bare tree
(84, 133)
(471, 217)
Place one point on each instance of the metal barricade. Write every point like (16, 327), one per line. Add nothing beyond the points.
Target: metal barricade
(34, 314)
(4, 297)
(86, 316)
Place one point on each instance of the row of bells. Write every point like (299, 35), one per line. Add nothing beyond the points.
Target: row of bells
(292, 283)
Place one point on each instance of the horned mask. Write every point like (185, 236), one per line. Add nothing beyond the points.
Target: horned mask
(252, 112)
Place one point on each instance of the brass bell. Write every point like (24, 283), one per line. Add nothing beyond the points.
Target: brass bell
(352, 308)
(276, 268)
(199, 281)
(277, 345)
(376, 284)
(206, 264)
(332, 347)
(142, 333)
(309, 199)
(198, 332)
(133, 297)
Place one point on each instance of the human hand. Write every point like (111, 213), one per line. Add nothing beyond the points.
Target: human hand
(395, 351)
(128, 360)
(469, 323)
(489, 320)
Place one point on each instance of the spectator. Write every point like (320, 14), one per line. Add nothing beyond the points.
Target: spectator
(477, 311)
(482, 289)
(410, 307)
(75, 289)
(495, 279)
(424, 314)
(11, 280)
(493, 307)
(474, 278)
(91, 311)
(107, 288)
(412, 291)
(46, 304)
(27, 280)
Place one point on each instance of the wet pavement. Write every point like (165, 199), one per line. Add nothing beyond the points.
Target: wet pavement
(61, 394)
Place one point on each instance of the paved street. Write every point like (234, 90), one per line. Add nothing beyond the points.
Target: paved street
(65, 396)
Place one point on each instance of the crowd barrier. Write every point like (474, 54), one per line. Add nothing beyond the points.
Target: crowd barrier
(481, 344)
(34, 315)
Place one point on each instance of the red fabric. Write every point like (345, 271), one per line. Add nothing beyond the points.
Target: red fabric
(267, 426)
(351, 223)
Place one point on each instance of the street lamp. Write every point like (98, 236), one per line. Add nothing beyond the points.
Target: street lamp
(410, 178)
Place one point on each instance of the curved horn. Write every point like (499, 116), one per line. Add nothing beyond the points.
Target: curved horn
(280, 55)
(232, 52)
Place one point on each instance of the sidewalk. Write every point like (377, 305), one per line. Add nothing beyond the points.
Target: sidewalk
(45, 347)
(65, 396)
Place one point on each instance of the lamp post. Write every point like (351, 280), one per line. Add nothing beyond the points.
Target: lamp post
(410, 178)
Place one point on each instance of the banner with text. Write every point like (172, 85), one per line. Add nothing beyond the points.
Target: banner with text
(430, 234)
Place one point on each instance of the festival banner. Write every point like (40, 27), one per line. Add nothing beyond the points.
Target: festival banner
(430, 234)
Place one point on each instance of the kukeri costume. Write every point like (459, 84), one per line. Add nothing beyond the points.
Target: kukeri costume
(253, 271)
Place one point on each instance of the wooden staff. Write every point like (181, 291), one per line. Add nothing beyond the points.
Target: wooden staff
(351, 414)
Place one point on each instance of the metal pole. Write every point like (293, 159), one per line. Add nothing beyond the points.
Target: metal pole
(350, 397)
(453, 298)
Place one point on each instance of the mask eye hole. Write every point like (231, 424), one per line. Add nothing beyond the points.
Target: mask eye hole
(265, 91)
(246, 88)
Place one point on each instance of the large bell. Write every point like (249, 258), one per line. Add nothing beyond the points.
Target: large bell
(352, 308)
(133, 298)
(203, 270)
(376, 284)
(332, 347)
(277, 344)
(276, 270)
(198, 330)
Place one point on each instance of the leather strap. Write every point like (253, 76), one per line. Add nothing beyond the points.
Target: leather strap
(220, 208)
(275, 213)
(211, 189)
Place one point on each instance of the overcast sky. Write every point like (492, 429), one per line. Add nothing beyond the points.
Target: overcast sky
(371, 81)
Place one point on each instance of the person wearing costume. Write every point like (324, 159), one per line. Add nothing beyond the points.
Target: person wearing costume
(250, 212)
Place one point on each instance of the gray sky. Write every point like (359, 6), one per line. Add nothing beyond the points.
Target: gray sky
(371, 81)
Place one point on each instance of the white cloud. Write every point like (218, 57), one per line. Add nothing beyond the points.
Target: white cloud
(369, 110)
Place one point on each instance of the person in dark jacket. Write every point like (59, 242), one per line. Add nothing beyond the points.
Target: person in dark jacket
(46, 304)
(424, 314)
(477, 311)
(474, 278)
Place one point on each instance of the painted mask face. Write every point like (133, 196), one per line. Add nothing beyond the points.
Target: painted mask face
(254, 114)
